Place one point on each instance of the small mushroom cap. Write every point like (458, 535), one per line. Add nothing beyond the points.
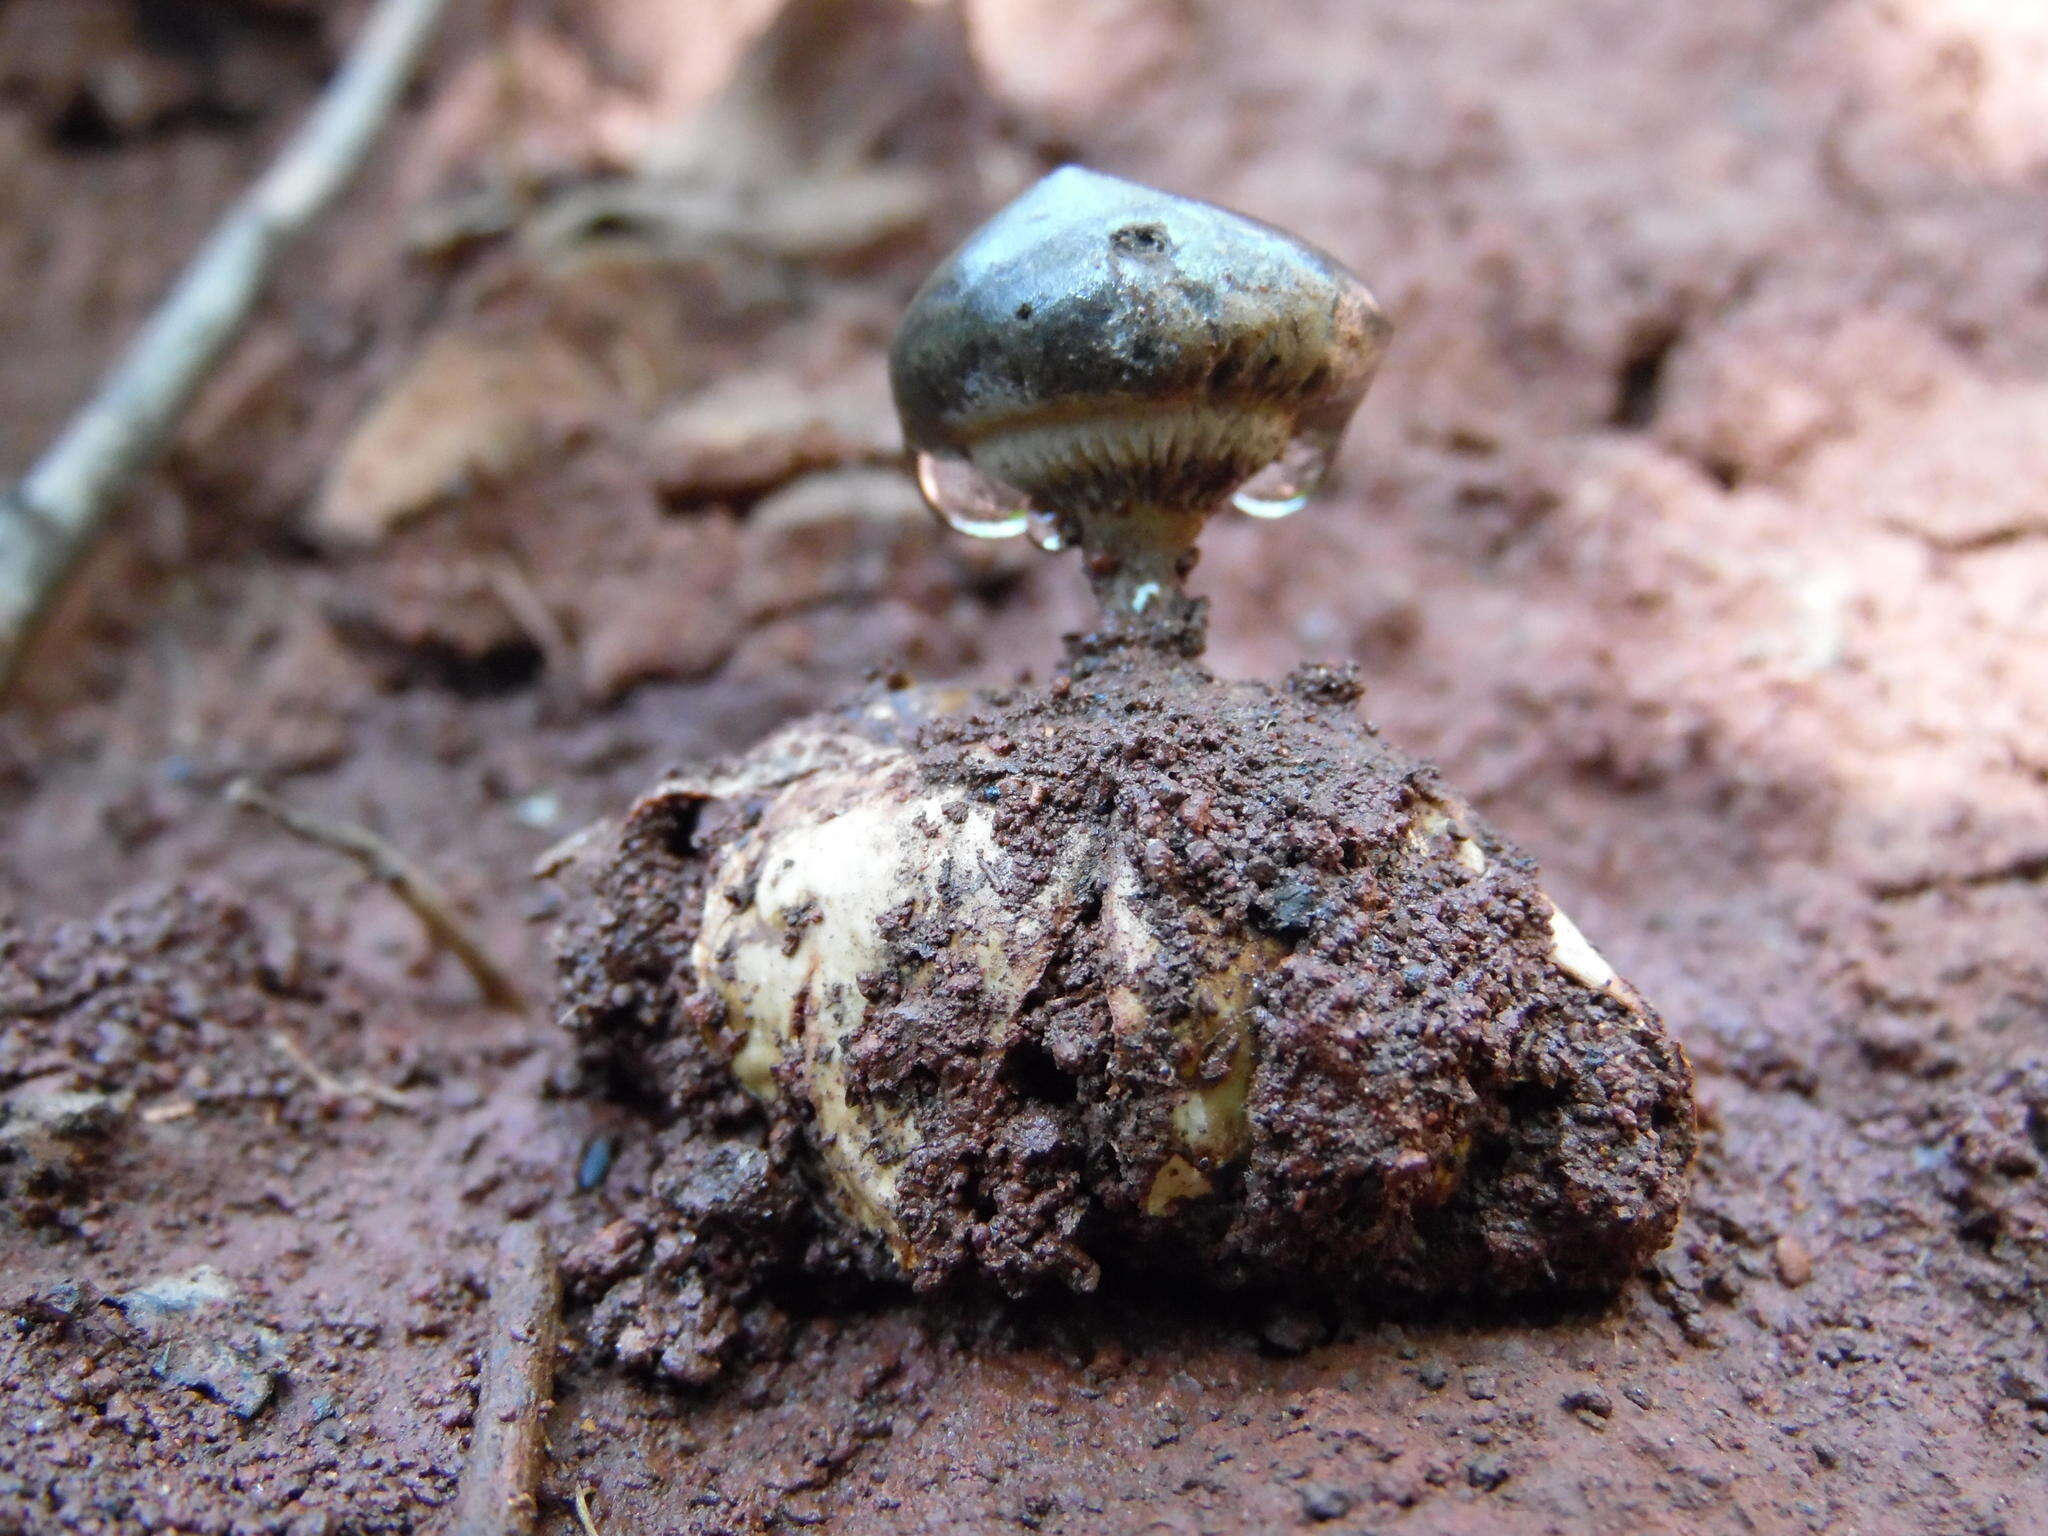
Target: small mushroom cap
(1099, 343)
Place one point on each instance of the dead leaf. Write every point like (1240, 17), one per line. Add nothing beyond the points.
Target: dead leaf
(468, 405)
(673, 615)
(750, 433)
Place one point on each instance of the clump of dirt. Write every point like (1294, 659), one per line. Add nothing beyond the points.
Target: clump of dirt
(1997, 1173)
(688, 1283)
(165, 993)
(110, 1389)
(177, 1065)
(1135, 970)
(166, 1006)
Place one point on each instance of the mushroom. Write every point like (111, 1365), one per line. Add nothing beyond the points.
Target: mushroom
(1119, 361)
(1137, 969)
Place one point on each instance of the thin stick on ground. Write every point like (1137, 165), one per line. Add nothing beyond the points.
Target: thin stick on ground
(403, 878)
(498, 1493)
(336, 1087)
(50, 518)
(530, 611)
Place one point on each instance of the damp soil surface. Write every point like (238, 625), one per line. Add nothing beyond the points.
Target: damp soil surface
(1692, 530)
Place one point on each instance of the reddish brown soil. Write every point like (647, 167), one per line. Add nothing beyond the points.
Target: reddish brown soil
(1693, 528)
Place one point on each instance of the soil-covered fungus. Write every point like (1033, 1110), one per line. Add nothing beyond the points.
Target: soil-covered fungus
(1137, 969)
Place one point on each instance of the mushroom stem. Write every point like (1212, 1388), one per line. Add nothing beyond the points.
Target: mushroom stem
(1138, 559)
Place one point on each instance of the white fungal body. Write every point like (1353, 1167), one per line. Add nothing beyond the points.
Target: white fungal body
(854, 840)
(794, 918)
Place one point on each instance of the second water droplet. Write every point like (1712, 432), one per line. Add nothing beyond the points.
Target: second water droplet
(970, 502)
(1284, 486)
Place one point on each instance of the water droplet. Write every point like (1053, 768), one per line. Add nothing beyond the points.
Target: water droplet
(1284, 486)
(968, 501)
(1044, 531)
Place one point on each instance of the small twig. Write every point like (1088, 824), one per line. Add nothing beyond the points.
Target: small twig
(530, 611)
(500, 1479)
(49, 520)
(584, 1517)
(399, 875)
(510, 123)
(315, 1074)
(337, 1087)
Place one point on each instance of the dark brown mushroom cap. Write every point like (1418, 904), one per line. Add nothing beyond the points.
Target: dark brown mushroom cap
(1099, 342)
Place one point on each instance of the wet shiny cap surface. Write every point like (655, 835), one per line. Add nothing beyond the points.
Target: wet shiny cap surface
(1102, 344)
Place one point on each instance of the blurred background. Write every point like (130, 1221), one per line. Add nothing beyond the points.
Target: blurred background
(1697, 526)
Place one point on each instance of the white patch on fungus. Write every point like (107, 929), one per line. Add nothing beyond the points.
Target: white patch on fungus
(793, 916)
(1576, 956)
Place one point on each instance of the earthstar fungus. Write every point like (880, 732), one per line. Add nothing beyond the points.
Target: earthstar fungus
(1138, 969)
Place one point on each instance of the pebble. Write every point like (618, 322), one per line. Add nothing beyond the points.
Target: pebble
(595, 1163)
(1588, 1400)
(1795, 1264)
(1324, 1501)
(1291, 1331)
(539, 811)
(1486, 1472)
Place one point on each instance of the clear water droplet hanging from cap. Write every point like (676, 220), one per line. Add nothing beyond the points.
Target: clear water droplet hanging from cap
(970, 502)
(1284, 486)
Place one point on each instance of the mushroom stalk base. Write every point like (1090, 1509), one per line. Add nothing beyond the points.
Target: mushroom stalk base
(1138, 560)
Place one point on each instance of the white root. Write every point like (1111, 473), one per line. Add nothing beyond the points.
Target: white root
(49, 519)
